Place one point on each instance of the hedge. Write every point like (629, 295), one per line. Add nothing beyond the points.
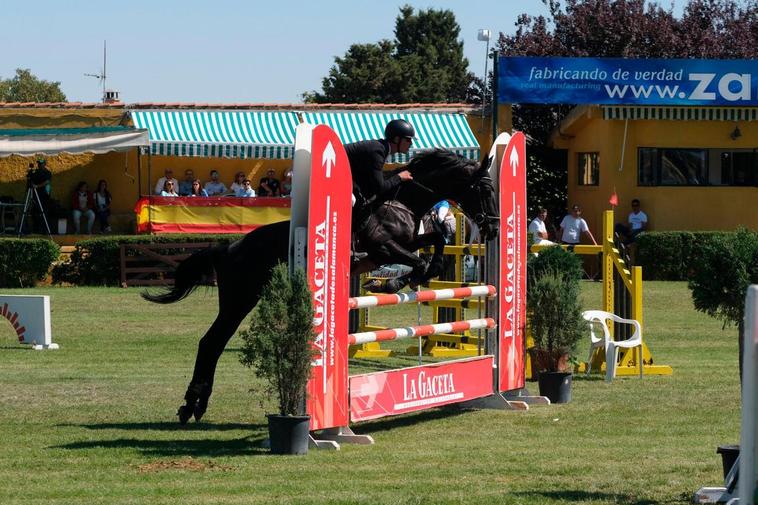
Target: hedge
(97, 261)
(25, 261)
(669, 255)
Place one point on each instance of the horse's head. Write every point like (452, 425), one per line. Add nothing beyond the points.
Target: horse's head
(443, 174)
(479, 202)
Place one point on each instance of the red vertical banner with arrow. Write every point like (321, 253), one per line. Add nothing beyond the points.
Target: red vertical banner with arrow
(328, 261)
(512, 258)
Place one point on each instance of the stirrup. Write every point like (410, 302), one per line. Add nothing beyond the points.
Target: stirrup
(356, 256)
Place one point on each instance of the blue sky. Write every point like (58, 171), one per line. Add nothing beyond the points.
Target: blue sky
(219, 51)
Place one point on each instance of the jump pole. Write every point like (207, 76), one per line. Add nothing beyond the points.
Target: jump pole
(320, 243)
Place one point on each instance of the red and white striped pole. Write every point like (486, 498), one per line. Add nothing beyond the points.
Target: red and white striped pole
(419, 331)
(429, 295)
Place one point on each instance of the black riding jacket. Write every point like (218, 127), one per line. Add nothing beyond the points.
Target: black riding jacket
(366, 164)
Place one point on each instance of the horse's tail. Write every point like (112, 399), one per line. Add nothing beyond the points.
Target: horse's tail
(187, 277)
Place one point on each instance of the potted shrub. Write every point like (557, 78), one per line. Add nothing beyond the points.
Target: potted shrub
(279, 346)
(556, 324)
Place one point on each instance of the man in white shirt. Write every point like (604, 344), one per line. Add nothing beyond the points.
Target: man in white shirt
(214, 187)
(637, 223)
(538, 229)
(573, 226)
(168, 175)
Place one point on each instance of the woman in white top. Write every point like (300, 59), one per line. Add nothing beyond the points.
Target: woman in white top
(169, 189)
(103, 205)
(238, 183)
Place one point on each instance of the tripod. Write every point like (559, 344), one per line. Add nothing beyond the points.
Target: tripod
(32, 198)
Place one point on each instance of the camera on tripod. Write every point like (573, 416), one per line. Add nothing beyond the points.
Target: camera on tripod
(36, 175)
(36, 196)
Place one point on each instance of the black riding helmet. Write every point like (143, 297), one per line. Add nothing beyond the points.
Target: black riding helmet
(399, 128)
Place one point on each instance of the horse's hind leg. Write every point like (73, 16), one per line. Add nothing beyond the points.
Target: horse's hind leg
(209, 351)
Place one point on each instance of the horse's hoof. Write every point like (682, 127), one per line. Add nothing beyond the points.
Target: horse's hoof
(199, 410)
(184, 413)
(374, 286)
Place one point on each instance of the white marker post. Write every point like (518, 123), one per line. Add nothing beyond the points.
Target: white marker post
(748, 480)
(30, 317)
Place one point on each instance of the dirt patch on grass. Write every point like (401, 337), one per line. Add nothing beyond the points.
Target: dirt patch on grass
(188, 463)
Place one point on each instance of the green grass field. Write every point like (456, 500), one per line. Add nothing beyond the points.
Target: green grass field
(94, 422)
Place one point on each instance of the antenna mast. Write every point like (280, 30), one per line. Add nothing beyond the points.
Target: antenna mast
(101, 76)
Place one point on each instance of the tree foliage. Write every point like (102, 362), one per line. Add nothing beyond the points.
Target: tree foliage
(279, 342)
(720, 274)
(620, 28)
(26, 87)
(424, 63)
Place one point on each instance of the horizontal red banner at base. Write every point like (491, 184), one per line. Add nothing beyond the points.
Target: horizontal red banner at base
(405, 390)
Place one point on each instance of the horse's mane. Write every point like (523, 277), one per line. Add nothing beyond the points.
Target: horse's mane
(441, 163)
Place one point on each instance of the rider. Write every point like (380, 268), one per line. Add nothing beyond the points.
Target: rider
(367, 159)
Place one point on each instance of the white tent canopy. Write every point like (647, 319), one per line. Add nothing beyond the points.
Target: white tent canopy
(32, 142)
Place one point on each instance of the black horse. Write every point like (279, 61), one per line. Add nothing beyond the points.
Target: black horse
(389, 235)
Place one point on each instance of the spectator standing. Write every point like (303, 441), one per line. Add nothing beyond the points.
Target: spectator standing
(573, 226)
(197, 189)
(169, 189)
(538, 229)
(83, 204)
(637, 223)
(446, 219)
(286, 189)
(246, 190)
(103, 199)
(239, 179)
(185, 186)
(214, 187)
(269, 185)
(168, 175)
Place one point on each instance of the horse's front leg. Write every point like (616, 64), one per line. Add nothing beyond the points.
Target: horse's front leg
(437, 263)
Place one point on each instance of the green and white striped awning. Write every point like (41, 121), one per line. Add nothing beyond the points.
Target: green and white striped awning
(450, 131)
(681, 113)
(219, 134)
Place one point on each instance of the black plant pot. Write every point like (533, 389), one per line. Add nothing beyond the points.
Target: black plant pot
(729, 454)
(556, 386)
(288, 434)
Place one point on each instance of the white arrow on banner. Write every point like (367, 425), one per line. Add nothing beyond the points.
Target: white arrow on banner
(514, 160)
(328, 159)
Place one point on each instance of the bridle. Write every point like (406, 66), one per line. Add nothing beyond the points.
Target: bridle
(483, 187)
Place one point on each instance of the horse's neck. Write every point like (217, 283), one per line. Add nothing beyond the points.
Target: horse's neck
(419, 203)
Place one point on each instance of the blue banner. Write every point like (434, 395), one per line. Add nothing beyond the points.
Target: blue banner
(628, 81)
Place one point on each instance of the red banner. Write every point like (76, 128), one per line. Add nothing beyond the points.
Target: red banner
(328, 263)
(512, 315)
(395, 392)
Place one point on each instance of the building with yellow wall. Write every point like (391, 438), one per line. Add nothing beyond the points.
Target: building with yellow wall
(692, 168)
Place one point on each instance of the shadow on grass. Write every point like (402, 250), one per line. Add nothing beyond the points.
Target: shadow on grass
(573, 495)
(169, 426)
(245, 446)
(10, 347)
(369, 427)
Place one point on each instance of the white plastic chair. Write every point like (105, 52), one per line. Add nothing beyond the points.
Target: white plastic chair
(597, 318)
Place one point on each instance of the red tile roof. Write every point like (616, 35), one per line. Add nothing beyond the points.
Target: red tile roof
(61, 105)
(237, 106)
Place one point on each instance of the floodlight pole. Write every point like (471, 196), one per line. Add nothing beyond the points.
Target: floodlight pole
(494, 93)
